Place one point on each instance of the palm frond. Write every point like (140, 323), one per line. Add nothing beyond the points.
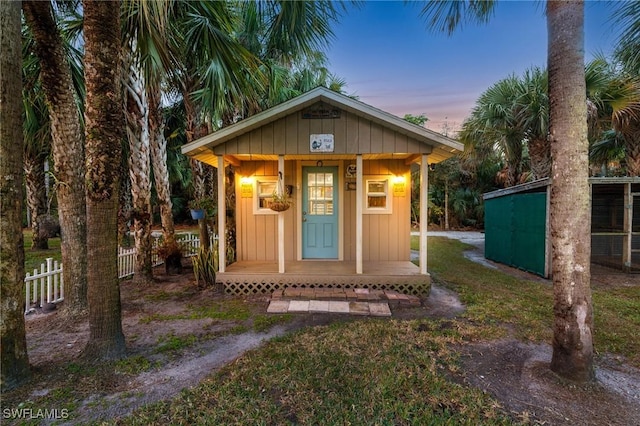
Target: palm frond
(448, 15)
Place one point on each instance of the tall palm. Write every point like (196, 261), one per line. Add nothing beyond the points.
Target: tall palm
(213, 73)
(570, 204)
(144, 29)
(67, 149)
(289, 39)
(614, 97)
(137, 111)
(494, 122)
(37, 146)
(104, 117)
(627, 120)
(37, 125)
(532, 115)
(569, 201)
(14, 361)
(627, 16)
(159, 165)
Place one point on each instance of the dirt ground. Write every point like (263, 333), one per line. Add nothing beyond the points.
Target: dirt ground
(514, 373)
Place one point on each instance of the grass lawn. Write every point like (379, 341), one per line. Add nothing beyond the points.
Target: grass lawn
(494, 297)
(34, 258)
(364, 371)
(393, 371)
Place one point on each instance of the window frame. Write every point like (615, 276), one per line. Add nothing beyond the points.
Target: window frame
(257, 196)
(388, 195)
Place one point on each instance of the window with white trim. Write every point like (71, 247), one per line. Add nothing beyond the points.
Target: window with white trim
(265, 187)
(377, 195)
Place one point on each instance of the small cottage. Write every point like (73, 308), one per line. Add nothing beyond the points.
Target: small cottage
(323, 195)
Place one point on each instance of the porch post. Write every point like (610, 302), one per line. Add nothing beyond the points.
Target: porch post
(424, 205)
(359, 209)
(222, 216)
(281, 217)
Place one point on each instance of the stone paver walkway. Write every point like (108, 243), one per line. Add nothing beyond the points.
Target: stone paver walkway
(358, 301)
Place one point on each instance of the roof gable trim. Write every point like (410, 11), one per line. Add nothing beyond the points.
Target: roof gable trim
(322, 94)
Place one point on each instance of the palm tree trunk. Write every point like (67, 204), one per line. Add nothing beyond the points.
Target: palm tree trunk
(139, 168)
(570, 214)
(125, 205)
(159, 163)
(104, 117)
(540, 157)
(14, 360)
(36, 200)
(67, 150)
(194, 130)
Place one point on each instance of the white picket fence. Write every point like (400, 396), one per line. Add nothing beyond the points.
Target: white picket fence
(47, 286)
(127, 256)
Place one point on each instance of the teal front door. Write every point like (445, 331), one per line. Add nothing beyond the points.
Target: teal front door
(319, 212)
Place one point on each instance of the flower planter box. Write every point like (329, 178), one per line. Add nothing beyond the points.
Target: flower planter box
(197, 214)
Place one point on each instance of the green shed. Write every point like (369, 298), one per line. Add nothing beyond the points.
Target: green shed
(515, 221)
(517, 225)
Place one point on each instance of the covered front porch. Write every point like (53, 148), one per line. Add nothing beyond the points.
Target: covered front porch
(345, 169)
(246, 277)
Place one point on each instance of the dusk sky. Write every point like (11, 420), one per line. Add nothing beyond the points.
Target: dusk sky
(391, 61)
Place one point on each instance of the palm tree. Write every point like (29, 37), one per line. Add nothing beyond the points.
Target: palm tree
(626, 114)
(13, 348)
(608, 150)
(104, 117)
(37, 148)
(137, 112)
(627, 16)
(494, 122)
(569, 202)
(67, 150)
(149, 58)
(614, 101)
(532, 115)
(159, 165)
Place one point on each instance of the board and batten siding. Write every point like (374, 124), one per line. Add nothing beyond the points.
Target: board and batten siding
(386, 236)
(352, 135)
(258, 240)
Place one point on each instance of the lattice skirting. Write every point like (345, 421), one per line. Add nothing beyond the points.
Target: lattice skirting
(240, 286)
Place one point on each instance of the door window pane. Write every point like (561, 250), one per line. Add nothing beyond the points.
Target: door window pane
(320, 192)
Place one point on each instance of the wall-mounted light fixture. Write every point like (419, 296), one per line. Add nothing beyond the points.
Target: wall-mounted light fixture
(246, 186)
(399, 186)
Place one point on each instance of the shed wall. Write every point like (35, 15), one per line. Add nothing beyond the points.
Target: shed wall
(515, 228)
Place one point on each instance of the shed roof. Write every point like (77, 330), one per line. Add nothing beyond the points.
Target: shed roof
(541, 185)
(439, 146)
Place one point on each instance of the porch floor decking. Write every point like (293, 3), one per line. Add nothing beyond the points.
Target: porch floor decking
(262, 277)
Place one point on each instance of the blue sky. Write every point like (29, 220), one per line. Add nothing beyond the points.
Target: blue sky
(390, 59)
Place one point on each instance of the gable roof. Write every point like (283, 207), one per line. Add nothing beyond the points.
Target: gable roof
(444, 146)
